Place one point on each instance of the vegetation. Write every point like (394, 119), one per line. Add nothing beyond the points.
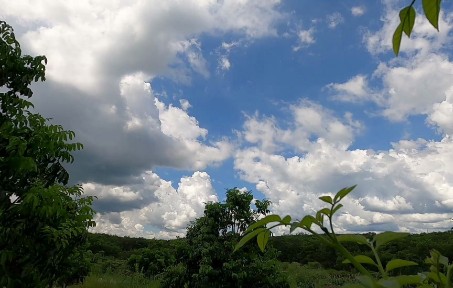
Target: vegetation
(440, 272)
(302, 259)
(43, 221)
(431, 9)
(207, 260)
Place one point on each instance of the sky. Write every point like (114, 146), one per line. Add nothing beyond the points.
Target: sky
(177, 101)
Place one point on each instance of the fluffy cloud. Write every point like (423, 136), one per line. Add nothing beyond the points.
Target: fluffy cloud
(354, 90)
(412, 178)
(153, 204)
(102, 59)
(419, 82)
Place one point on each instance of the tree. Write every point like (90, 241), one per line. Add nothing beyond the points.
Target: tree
(208, 260)
(43, 221)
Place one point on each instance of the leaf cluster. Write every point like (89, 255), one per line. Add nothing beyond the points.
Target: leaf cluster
(431, 9)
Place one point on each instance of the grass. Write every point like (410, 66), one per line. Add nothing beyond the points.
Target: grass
(117, 281)
(300, 276)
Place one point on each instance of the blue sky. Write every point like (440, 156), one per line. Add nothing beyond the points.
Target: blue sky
(176, 101)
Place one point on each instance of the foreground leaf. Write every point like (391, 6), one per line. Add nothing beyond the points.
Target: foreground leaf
(407, 17)
(386, 237)
(263, 222)
(353, 238)
(247, 238)
(342, 193)
(432, 10)
(326, 199)
(396, 41)
(262, 239)
(398, 263)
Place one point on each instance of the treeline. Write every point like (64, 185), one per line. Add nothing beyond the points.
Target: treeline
(303, 249)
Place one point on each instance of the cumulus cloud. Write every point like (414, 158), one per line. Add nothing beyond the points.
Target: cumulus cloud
(102, 59)
(414, 177)
(158, 210)
(417, 83)
(355, 89)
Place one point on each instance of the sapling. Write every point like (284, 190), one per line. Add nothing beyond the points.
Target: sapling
(440, 273)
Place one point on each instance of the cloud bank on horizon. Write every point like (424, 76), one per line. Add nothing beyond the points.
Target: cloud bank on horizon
(290, 99)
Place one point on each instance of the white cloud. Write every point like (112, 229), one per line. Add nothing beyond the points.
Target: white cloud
(358, 11)
(442, 113)
(334, 19)
(305, 38)
(102, 59)
(414, 88)
(414, 177)
(185, 104)
(395, 204)
(224, 63)
(310, 121)
(418, 82)
(355, 89)
(164, 212)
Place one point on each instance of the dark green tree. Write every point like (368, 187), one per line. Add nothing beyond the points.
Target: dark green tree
(208, 260)
(43, 221)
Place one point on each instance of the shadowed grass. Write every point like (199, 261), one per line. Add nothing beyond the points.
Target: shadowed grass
(117, 281)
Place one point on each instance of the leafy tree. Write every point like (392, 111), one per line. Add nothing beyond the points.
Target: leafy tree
(43, 221)
(151, 262)
(208, 260)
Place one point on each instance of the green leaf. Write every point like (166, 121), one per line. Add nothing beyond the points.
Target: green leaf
(337, 207)
(326, 199)
(262, 239)
(359, 239)
(432, 10)
(342, 193)
(407, 18)
(385, 237)
(247, 238)
(286, 220)
(362, 259)
(325, 211)
(307, 221)
(396, 41)
(294, 226)
(398, 263)
(263, 222)
(319, 218)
